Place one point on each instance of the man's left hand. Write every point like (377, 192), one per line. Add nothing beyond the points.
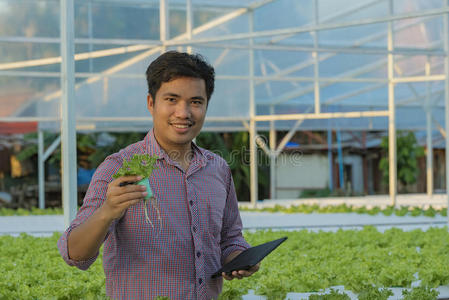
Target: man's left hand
(240, 273)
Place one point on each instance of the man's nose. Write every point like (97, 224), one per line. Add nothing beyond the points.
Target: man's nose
(182, 110)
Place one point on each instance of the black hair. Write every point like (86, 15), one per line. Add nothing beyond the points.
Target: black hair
(173, 64)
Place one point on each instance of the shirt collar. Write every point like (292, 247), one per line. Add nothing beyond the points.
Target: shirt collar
(153, 148)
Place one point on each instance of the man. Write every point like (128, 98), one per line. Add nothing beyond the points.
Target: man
(199, 227)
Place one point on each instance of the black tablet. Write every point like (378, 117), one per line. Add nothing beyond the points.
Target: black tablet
(250, 257)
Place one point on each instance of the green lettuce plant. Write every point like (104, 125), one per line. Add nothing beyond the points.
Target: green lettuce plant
(141, 165)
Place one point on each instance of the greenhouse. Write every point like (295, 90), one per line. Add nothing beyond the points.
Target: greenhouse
(349, 70)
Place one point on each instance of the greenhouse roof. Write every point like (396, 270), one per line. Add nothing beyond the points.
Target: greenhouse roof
(300, 61)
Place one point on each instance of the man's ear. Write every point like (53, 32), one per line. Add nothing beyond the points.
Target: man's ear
(150, 103)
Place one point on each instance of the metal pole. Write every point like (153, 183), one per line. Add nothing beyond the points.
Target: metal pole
(340, 161)
(391, 115)
(272, 157)
(329, 159)
(316, 70)
(446, 95)
(189, 23)
(68, 124)
(163, 24)
(252, 122)
(429, 154)
(90, 33)
(41, 168)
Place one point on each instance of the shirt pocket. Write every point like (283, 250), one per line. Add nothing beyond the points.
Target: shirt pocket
(216, 202)
(135, 226)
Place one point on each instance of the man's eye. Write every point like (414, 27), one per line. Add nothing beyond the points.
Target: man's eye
(171, 99)
(197, 102)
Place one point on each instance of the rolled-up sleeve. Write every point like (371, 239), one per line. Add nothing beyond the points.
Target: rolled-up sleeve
(95, 196)
(231, 233)
(63, 249)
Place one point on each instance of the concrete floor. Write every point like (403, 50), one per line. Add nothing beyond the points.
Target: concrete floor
(46, 225)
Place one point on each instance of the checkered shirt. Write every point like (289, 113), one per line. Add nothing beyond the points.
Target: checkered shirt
(199, 227)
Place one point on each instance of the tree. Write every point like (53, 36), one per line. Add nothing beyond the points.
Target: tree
(234, 148)
(408, 152)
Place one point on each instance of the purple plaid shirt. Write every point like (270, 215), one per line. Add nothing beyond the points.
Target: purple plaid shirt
(200, 226)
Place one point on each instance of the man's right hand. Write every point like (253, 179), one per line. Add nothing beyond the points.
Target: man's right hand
(119, 198)
(85, 240)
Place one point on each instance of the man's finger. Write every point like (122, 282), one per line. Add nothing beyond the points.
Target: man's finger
(133, 202)
(125, 180)
(245, 273)
(132, 188)
(131, 196)
(226, 276)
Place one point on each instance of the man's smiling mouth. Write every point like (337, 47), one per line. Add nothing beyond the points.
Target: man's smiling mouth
(181, 125)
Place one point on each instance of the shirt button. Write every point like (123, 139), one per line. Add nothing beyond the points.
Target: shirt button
(198, 254)
(191, 202)
(194, 229)
(200, 281)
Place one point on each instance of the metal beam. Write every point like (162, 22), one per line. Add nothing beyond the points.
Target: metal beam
(333, 115)
(339, 15)
(324, 57)
(252, 123)
(272, 144)
(146, 44)
(329, 159)
(291, 132)
(90, 33)
(408, 79)
(138, 45)
(391, 115)
(189, 22)
(344, 76)
(164, 23)
(145, 3)
(263, 145)
(446, 94)
(316, 62)
(41, 168)
(296, 30)
(340, 160)
(79, 56)
(55, 40)
(369, 50)
(440, 128)
(52, 148)
(68, 125)
(429, 148)
(213, 23)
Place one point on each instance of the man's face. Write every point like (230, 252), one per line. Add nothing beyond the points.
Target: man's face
(178, 112)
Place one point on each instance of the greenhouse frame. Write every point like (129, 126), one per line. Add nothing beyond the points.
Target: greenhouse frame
(280, 65)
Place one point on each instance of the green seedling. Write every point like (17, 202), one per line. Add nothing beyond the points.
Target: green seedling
(141, 165)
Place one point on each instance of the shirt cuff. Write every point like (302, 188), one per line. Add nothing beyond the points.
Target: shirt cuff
(231, 248)
(63, 249)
